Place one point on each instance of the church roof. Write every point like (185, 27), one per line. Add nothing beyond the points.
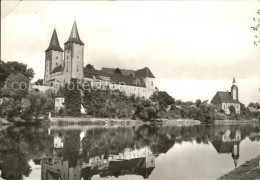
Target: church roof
(223, 97)
(224, 147)
(54, 44)
(74, 35)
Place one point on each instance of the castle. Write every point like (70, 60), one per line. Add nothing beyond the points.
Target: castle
(61, 66)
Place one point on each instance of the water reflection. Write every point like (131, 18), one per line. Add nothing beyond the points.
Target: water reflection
(228, 142)
(87, 152)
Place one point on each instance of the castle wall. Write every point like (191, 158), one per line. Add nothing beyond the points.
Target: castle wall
(57, 59)
(73, 61)
(77, 61)
(67, 62)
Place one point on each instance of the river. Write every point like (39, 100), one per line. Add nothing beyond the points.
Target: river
(130, 153)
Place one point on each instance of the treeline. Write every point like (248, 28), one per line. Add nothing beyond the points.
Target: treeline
(18, 102)
(115, 104)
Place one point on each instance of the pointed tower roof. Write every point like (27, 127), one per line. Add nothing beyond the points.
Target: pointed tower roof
(234, 80)
(54, 44)
(74, 35)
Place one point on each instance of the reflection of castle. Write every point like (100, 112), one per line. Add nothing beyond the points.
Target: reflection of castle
(55, 168)
(139, 162)
(130, 161)
(228, 143)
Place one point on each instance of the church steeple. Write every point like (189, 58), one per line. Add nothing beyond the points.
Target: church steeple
(234, 80)
(74, 35)
(54, 44)
(234, 90)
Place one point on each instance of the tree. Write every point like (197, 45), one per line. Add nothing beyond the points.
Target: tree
(14, 67)
(39, 82)
(72, 98)
(232, 109)
(255, 105)
(146, 110)
(36, 103)
(256, 28)
(17, 86)
(163, 98)
(198, 102)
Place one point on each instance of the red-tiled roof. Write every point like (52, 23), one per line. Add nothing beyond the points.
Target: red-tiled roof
(223, 97)
(95, 72)
(127, 80)
(115, 78)
(74, 35)
(125, 72)
(54, 44)
(145, 72)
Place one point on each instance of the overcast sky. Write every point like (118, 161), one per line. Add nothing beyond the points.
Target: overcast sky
(194, 48)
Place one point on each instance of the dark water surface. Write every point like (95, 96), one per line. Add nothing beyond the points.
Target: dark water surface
(143, 152)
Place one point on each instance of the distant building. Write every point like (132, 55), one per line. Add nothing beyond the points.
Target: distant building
(61, 66)
(223, 100)
(59, 103)
(252, 110)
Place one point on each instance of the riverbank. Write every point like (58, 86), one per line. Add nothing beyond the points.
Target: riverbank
(248, 170)
(236, 121)
(106, 121)
(92, 121)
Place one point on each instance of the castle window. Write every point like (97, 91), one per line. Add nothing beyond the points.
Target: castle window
(67, 57)
(77, 56)
(56, 57)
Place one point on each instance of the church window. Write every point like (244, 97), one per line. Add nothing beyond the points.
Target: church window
(56, 57)
(77, 56)
(67, 57)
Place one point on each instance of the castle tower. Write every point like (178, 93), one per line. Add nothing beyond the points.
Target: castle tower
(73, 56)
(234, 90)
(53, 56)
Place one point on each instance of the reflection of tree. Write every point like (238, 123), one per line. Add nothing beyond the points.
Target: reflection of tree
(23, 144)
(15, 165)
(71, 147)
(18, 145)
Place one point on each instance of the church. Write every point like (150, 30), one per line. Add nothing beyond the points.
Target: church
(224, 99)
(62, 65)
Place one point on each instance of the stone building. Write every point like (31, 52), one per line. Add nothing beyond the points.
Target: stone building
(224, 99)
(62, 65)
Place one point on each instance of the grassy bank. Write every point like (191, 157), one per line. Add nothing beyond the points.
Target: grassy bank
(248, 170)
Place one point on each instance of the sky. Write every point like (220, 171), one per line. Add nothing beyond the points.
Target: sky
(193, 48)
